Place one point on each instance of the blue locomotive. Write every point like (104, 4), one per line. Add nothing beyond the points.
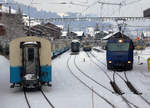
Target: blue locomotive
(119, 53)
(75, 46)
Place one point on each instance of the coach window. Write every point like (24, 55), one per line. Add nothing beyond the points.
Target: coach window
(30, 54)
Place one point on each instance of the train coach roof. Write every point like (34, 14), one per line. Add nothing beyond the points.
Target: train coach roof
(119, 35)
(75, 41)
(30, 43)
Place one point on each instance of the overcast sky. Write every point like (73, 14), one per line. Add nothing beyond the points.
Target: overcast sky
(135, 9)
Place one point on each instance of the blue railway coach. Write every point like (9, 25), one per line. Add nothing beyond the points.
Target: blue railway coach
(119, 54)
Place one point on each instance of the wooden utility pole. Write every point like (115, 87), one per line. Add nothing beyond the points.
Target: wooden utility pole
(92, 98)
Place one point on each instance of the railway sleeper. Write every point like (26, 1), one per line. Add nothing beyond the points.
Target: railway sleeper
(116, 88)
(132, 88)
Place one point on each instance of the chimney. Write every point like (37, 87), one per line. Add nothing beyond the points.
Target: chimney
(9, 9)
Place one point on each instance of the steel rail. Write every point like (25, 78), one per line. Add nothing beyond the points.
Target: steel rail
(91, 77)
(108, 102)
(125, 100)
(127, 80)
(27, 100)
(29, 106)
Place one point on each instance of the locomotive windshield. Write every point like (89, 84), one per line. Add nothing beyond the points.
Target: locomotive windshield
(118, 46)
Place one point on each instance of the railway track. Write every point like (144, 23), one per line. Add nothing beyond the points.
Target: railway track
(88, 76)
(126, 81)
(45, 97)
(113, 83)
(132, 88)
(85, 84)
(128, 103)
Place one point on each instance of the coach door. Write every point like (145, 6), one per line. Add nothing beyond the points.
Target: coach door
(31, 61)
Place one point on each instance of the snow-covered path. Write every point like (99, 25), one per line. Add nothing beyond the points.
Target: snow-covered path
(68, 92)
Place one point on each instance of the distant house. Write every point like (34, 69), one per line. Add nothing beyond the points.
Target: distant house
(79, 35)
(64, 34)
(100, 34)
(54, 30)
(146, 37)
(90, 31)
(32, 22)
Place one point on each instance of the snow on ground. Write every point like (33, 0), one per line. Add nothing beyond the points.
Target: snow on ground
(68, 92)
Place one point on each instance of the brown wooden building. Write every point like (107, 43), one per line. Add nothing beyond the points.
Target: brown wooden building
(48, 30)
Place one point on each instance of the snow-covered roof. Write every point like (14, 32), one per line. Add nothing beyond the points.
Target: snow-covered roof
(79, 33)
(101, 31)
(64, 33)
(30, 43)
(32, 23)
(6, 10)
(75, 41)
(60, 26)
(108, 36)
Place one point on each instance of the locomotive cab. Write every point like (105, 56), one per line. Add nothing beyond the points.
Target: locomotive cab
(30, 64)
(119, 53)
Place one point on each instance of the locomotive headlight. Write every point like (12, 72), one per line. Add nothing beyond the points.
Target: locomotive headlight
(129, 62)
(109, 61)
(120, 41)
